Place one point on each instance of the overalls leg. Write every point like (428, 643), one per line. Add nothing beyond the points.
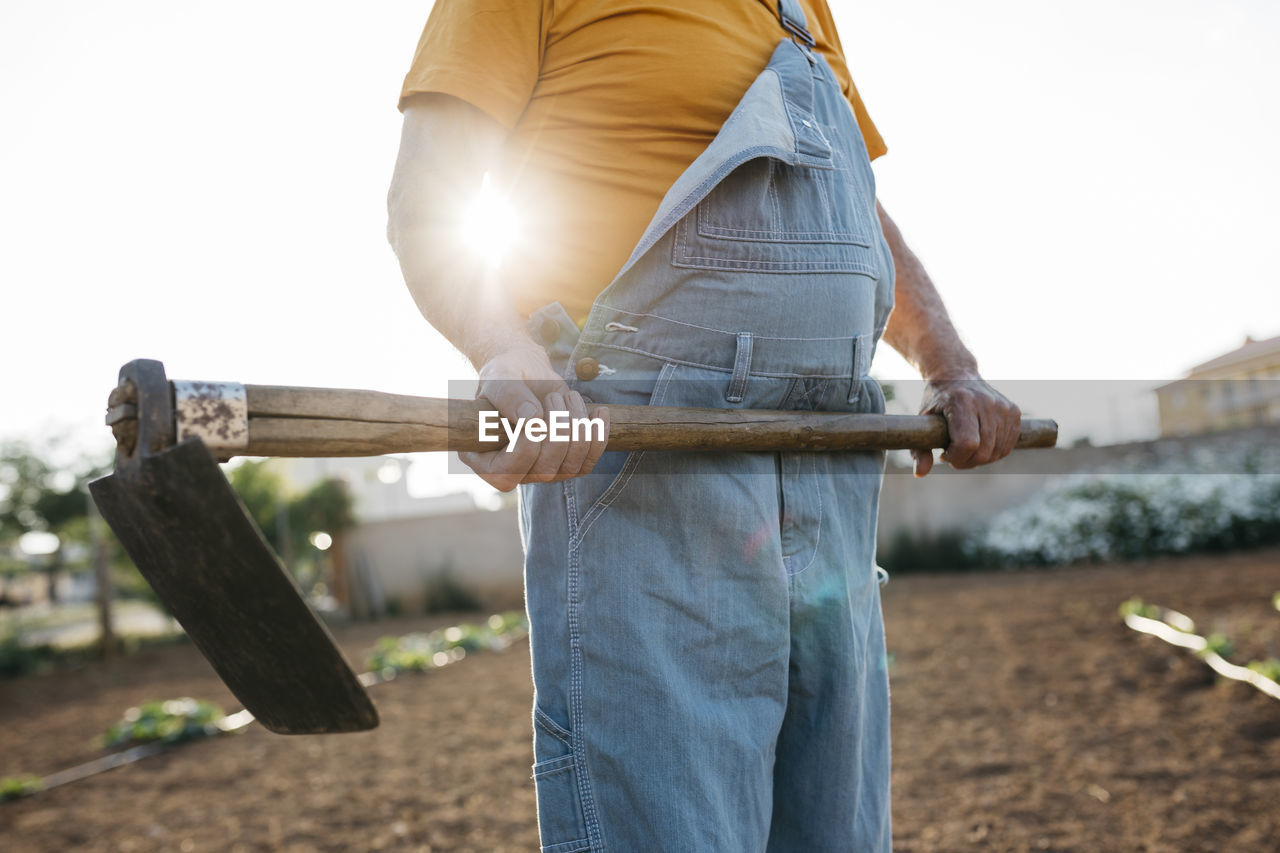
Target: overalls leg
(705, 627)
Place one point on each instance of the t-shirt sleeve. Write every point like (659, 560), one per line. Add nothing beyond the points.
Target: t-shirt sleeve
(484, 52)
(870, 134)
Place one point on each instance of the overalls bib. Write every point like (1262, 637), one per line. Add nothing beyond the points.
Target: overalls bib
(708, 650)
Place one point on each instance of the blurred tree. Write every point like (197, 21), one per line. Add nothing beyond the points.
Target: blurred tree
(263, 492)
(326, 507)
(39, 496)
(288, 520)
(24, 479)
(36, 494)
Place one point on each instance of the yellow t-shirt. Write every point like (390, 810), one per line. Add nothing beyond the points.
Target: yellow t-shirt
(607, 102)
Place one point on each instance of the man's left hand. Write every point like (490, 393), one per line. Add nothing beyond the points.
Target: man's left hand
(983, 424)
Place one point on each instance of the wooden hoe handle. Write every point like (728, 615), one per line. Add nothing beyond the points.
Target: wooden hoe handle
(287, 421)
(148, 412)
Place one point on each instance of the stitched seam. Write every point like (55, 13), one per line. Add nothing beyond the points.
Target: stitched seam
(678, 238)
(682, 253)
(704, 187)
(564, 766)
(607, 500)
(855, 382)
(773, 192)
(838, 237)
(786, 110)
(655, 231)
(707, 228)
(552, 728)
(849, 338)
(800, 266)
(585, 799)
(817, 539)
(615, 490)
(778, 236)
(855, 389)
(581, 846)
(629, 469)
(741, 369)
(718, 369)
(826, 198)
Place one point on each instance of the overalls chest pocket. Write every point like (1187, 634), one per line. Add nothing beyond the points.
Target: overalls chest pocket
(770, 216)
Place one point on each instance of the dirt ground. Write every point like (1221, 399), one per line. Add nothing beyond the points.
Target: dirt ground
(1025, 717)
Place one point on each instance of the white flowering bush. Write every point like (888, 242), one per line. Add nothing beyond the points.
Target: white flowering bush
(1123, 516)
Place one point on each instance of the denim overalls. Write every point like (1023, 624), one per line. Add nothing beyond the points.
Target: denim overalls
(708, 651)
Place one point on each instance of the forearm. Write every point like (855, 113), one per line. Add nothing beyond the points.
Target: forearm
(444, 153)
(919, 327)
(456, 295)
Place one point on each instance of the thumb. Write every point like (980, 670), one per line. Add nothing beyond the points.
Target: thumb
(924, 462)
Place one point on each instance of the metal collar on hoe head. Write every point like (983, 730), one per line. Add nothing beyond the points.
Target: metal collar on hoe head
(192, 539)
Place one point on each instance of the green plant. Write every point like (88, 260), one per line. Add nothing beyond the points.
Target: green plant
(15, 658)
(418, 652)
(512, 622)
(170, 721)
(1218, 644)
(1137, 607)
(16, 787)
(1269, 668)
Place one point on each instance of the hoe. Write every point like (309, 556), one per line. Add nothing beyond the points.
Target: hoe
(190, 536)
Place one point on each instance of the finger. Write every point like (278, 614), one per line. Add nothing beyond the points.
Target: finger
(1015, 430)
(924, 458)
(577, 453)
(989, 424)
(480, 467)
(502, 469)
(962, 426)
(506, 468)
(1011, 425)
(924, 462)
(550, 453)
(597, 444)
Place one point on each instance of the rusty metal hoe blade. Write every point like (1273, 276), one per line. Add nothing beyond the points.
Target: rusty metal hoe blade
(192, 539)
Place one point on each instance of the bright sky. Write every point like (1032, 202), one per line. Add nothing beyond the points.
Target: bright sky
(1093, 186)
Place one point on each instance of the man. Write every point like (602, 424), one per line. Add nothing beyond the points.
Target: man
(699, 227)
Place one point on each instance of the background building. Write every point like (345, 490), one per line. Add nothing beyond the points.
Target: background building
(1236, 390)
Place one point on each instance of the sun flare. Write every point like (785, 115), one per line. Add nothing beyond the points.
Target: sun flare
(489, 224)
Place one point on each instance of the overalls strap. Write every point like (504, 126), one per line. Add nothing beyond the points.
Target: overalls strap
(775, 118)
(793, 21)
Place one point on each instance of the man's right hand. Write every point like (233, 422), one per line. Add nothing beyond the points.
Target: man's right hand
(520, 383)
(446, 147)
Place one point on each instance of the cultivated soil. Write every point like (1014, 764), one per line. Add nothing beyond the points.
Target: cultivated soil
(1026, 716)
